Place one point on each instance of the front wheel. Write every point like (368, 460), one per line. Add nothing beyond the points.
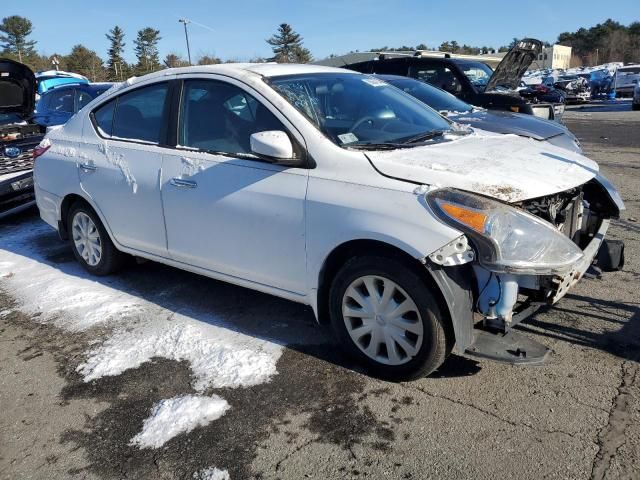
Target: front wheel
(386, 317)
(90, 242)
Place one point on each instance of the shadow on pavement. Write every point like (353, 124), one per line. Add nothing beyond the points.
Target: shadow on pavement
(203, 299)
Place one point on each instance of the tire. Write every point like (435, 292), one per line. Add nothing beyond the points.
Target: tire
(430, 350)
(635, 106)
(109, 259)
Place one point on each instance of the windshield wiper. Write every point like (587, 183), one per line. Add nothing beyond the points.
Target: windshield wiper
(425, 136)
(377, 146)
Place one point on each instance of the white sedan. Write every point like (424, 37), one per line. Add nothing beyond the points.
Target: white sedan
(333, 189)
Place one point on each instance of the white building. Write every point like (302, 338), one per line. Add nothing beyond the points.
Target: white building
(556, 56)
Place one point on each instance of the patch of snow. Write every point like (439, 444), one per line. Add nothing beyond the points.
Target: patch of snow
(218, 357)
(117, 159)
(211, 473)
(4, 313)
(67, 296)
(191, 166)
(177, 415)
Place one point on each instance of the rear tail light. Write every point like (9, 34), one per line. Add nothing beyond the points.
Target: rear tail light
(42, 147)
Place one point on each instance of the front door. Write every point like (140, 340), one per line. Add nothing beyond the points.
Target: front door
(224, 210)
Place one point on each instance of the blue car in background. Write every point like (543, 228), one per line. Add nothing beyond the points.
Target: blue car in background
(58, 104)
(52, 78)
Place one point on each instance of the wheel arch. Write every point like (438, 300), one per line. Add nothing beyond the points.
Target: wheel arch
(67, 202)
(451, 286)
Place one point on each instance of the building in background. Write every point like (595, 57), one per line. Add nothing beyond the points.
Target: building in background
(556, 56)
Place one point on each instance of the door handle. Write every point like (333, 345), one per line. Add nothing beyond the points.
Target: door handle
(88, 166)
(178, 182)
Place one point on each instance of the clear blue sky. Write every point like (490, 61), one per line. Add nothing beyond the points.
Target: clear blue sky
(327, 26)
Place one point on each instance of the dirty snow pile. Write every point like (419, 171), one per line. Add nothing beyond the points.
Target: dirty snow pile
(211, 473)
(178, 415)
(66, 296)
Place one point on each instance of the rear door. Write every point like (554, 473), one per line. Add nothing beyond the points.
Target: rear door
(226, 210)
(121, 173)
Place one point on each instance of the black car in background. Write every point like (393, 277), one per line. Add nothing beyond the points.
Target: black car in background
(19, 136)
(472, 81)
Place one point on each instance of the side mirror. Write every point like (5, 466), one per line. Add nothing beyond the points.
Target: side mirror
(273, 146)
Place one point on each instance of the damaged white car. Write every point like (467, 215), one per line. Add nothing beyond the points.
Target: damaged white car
(411, 235)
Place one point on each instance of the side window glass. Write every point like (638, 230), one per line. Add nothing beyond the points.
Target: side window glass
(140, 115)
(83, 99)
(103, 117)
(62, 101)
(219, 117)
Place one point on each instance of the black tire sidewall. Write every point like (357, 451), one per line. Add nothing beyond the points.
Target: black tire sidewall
(111, 258)
(436, 341)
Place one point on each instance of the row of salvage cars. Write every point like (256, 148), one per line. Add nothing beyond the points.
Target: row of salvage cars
(411, 232)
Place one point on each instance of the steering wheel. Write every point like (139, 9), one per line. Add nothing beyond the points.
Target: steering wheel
(360, 122)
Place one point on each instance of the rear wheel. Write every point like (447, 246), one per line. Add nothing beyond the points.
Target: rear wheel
(386, 317)
(635, 106)
(90, 242)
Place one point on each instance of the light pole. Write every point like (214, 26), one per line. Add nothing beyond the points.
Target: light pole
(186, 36)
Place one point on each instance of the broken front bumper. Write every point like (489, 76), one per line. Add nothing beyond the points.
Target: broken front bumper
(567, 281)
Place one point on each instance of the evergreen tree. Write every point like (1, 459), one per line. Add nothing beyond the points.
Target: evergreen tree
(287, 46)
(85, 62)
(15, 30)
(117, 68)
(146, 48)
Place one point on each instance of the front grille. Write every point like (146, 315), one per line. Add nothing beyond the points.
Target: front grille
(24, 161)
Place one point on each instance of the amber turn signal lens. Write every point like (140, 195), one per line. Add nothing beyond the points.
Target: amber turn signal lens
(515, 109)
(470, 218)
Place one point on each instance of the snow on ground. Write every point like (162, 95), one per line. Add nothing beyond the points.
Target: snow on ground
(211, 473)
(177, 415)
(65, 295)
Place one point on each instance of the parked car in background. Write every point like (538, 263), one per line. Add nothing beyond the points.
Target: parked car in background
(635, 104)
(18, 136)
(575, 87)
(333, 189)
(489, 120)
(53, 78)
(472, 81)
(58, 104)
(625, 80)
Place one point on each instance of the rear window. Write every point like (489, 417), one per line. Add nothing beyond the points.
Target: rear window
(103, 117)
(138, 115)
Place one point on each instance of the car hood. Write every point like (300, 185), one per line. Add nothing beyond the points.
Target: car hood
(515, 63)
(506, 167)
(17, 88)
(509, 122)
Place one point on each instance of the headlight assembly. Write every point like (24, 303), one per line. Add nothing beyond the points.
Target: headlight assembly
(507, 239)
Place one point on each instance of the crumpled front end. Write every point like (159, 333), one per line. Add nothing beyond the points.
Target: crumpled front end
(526, 255)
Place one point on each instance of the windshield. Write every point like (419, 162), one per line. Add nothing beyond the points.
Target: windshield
(478, 73)
(434, 97)
(353, 109)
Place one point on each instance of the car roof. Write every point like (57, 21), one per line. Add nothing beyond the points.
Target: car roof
(81, 86)
(240, 69)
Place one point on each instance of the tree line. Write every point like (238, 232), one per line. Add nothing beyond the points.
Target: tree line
(15, 43)
(606, 42)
